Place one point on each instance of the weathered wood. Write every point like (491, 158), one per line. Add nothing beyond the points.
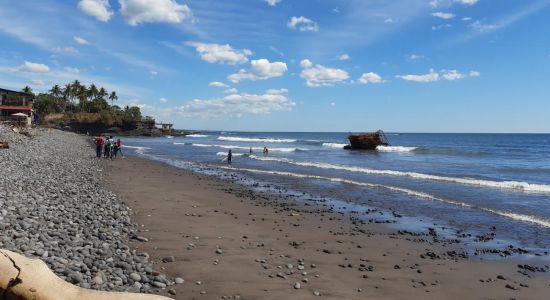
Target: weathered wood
(22, 278)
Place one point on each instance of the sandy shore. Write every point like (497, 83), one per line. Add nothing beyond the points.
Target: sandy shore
(273, 248)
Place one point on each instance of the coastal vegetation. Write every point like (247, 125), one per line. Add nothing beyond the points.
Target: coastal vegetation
(84, 108)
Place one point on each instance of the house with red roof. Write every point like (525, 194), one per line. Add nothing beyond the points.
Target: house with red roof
(16, 107)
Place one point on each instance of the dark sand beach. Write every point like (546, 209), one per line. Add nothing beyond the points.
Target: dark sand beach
(228, 242)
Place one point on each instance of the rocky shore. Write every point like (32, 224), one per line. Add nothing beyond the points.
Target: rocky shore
(53, 206)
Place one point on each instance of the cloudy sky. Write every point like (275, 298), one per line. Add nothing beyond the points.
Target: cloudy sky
(295, 65)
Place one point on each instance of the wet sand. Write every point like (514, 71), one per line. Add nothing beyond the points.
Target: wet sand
(268, 244)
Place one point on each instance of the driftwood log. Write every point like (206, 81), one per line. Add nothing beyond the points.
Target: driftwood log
(22, 278)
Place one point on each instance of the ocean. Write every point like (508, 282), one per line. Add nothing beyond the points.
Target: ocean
(466, 182)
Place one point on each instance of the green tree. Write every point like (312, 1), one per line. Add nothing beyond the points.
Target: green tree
(56, 91)
(113, 97)
(27, 89)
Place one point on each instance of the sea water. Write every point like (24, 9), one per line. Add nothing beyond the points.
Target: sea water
(468, 181)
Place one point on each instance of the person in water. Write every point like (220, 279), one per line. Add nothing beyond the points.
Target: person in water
(266, 151)
(250, 150)
(229, 156)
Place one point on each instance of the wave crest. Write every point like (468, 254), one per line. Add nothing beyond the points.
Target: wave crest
(510, 185)
(256, 140)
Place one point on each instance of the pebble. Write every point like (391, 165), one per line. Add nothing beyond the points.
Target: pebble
(179, 280)
(60, 212)
(297, 285)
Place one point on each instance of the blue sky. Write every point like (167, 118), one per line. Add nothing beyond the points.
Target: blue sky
(295, 65)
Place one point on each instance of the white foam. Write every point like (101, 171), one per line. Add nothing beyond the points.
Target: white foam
(234, 154)
(140, 150)
(196, 135)
(334, 145)
(256, 140)
(418, 194)
(509, 185)
(395, 149)
(169, 136)
(256, 149)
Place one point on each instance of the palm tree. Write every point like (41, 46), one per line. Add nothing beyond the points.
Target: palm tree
(56, 91)
(82, 95)
(113, 97)
(93, 92)
(102, 93)
(27, 89)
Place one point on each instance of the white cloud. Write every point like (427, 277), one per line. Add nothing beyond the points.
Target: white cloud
(218, 84)
(72, 70)
(306, 63)
(163, 100)
(153, 11)
(303, 24)
(319, 75)
(432, 76)
(273, 2)
(452, 75)
(80, 41)
(236, 105)
(467, 2)
(389, 20)
(34, 67)
(277, 91)
(216, 53)
(153, 74)
(443, 15)
(415, 57)
(480, 27)
(66, 50)
(370, 77)
(100, 9)
(466, 19)
(260, 69)
(344, 56)
(231, 91)
(438, 27)
(429, 77)
(333, 104)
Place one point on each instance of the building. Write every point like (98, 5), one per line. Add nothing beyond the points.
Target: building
(16, 107)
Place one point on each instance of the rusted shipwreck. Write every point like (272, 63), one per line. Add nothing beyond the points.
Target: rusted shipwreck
(367, 141)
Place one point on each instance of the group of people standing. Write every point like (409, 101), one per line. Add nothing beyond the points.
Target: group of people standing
(229, 156)
(107, 147)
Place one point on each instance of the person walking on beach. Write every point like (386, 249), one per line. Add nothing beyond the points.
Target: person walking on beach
(229, 156)
(99, 145)
(107, 148)
(118, 148)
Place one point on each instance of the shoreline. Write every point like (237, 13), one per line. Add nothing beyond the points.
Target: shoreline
(188, 216)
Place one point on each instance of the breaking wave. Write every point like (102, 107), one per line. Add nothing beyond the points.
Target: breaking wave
(509, 185)
(395, 149)
(196, 135)
(140, 150)
(418, 194)
(334, 145)
(255, 149)
(257, 140)
(234, 154)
